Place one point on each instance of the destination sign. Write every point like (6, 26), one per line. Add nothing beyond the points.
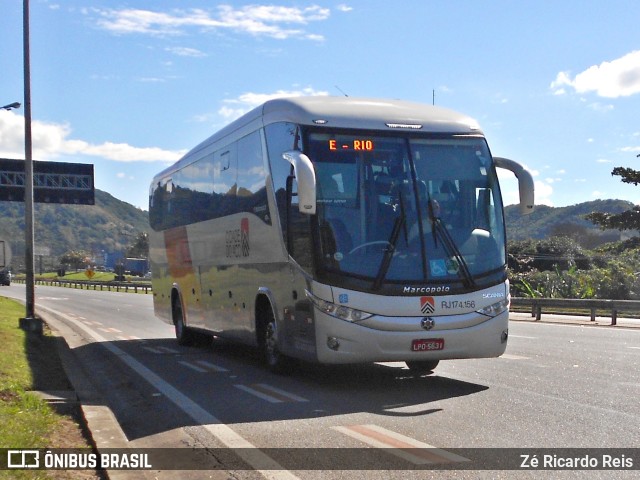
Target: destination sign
(355, 144)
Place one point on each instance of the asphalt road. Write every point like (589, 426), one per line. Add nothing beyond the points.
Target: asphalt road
(557, 386)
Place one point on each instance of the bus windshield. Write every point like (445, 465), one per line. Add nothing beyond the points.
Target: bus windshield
(407, 208)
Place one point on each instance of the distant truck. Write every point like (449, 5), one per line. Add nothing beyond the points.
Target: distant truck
(137, 267)
(5, 263)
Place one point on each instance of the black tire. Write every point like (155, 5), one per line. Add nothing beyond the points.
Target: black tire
(275, 361)
(422, 367)
(184, 335)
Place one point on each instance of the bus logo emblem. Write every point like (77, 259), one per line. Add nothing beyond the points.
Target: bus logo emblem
(427, 323)
(427, 305)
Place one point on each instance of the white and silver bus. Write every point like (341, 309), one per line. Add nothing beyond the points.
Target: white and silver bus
(337, 230)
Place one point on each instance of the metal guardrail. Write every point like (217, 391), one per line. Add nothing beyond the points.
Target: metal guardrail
(90, 285)
(614, 306)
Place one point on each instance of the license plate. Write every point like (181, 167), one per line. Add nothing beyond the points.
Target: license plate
(427, 344)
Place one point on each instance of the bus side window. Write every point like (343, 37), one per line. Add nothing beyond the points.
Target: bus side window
(281, 137)
(251, 192)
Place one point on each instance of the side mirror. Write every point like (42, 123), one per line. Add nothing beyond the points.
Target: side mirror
(525, 183)
(306, 178)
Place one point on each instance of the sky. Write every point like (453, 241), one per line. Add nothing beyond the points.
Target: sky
(132, 85)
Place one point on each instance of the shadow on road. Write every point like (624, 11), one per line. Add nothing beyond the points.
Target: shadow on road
(226, 378)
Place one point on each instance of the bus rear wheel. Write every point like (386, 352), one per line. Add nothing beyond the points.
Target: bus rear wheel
(422, 367)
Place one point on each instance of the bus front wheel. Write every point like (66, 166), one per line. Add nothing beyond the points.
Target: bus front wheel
(183, 333)
(421, 367)
(276, 361)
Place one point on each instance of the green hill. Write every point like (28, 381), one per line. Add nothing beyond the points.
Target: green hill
(545, 220)
(108, 226)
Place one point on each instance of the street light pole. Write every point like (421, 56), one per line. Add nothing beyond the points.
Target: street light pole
(30, 322)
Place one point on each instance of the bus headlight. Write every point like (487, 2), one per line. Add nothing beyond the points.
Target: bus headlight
(339, 311)
(494, 309)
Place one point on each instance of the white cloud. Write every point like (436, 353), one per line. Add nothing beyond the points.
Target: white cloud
(600, 107)
(51, 140)
(151, 79)
(258, 20)
(543, 193)
(344, 8)
(510, 191)
(234, 108)
(617, 78)
(186, 52)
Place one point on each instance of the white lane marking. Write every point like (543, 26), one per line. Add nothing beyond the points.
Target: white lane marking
(256, 393)
(278, 392)
(509, 356)
(418, 453)
(151, 349)
(222, 432)
(167, 350)
(211, 366)
(270, 393)
(159, 349)
(635, 348)
(192, 366)
(522, 336)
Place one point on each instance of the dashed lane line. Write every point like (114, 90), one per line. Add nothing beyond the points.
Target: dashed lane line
(410, 449)
(211, 366)
(192, 366)
(270, 393)
(509, 356)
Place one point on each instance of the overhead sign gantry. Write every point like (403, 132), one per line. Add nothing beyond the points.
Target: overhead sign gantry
(53, 182)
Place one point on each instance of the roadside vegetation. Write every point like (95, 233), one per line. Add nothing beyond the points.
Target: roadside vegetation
(559, 267)
(570, 264)
(29, 363)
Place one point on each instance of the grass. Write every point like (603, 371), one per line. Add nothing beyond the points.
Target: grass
(27, 363)
(24, 419)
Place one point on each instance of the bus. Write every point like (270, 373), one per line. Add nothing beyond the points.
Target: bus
(337, 230)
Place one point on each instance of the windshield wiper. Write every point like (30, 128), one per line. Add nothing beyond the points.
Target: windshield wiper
(398, 225)
(440, 231)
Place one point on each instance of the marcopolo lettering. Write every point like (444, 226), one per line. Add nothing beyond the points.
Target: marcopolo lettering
(421, 290)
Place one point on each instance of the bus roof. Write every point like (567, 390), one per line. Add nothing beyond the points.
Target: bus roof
(346, 112)
(367, 113)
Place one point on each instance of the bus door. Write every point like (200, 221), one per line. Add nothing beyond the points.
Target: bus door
(298, 313)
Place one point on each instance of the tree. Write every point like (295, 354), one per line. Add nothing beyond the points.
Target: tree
(77, 259)
(140, 246)
(627, 220)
